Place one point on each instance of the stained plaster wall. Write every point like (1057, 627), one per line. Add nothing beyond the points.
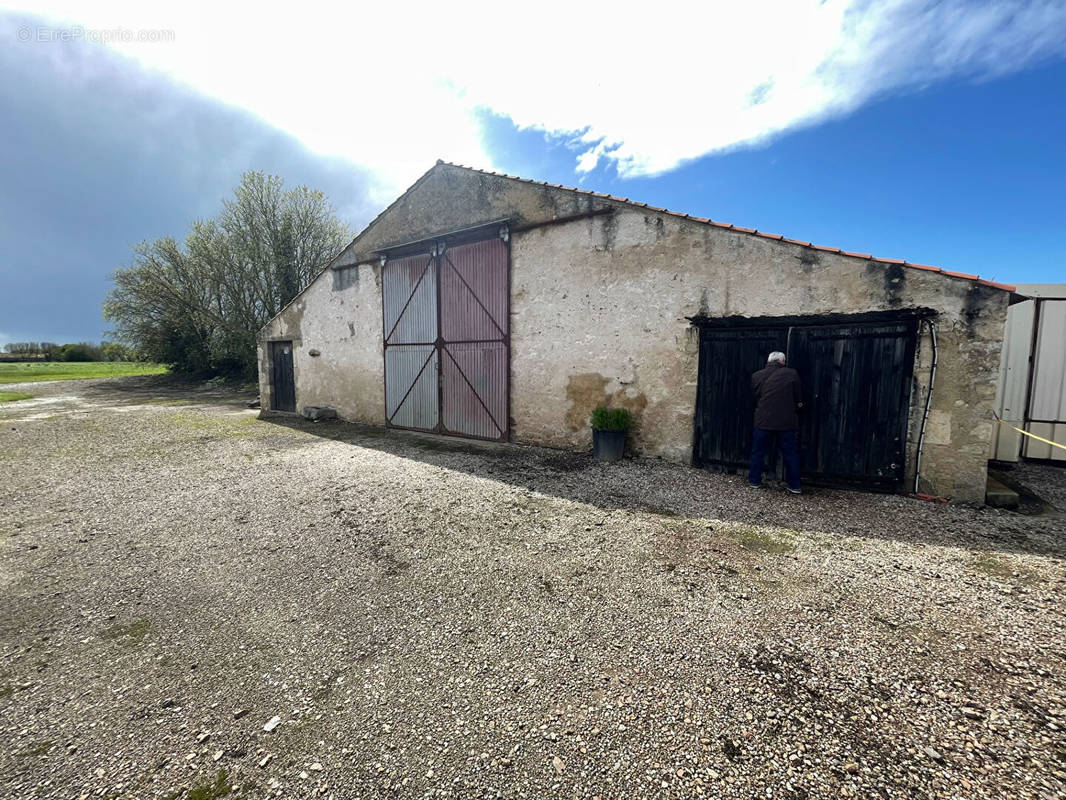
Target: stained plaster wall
(600, 312)
(600, 309)
(339, 315)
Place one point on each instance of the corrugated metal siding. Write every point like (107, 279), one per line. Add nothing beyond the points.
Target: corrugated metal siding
(1013, 374)
(1048, 405)
(1046, 415)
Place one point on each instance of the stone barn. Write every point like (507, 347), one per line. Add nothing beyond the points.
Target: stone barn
(486, 306)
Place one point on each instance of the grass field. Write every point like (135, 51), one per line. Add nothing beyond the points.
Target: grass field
(7, 397)
(33, 371)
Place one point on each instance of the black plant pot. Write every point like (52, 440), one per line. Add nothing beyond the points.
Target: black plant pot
(608, 445)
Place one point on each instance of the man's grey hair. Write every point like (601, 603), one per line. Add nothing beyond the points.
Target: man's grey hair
(776, 357)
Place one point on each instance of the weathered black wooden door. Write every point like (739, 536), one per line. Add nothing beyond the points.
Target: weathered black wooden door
(856, 381)
(283, 383)
(856, 386)
(724, 405)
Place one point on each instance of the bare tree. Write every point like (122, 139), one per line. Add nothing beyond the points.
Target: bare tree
(198, 306)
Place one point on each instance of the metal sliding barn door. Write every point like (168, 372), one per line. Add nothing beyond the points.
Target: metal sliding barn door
(447, 340)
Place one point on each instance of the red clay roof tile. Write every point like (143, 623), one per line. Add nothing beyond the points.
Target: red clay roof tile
(703, 220)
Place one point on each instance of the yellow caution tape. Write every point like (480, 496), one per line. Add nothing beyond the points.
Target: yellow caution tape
(1032, 435)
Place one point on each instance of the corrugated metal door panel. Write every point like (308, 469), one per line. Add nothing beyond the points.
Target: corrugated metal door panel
(475, 346)
(409, 300)
(473, 292)
(411, 386)
(474, 380)
(409, 314)
(724, 405)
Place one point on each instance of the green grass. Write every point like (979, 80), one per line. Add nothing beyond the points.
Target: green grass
(128, 633)
(7, 397)
(210, 791)
(764, 542)
(1001, 568)
(33, 371)
(170, 401)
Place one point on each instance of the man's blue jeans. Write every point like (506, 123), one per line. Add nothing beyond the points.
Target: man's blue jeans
(789, 446)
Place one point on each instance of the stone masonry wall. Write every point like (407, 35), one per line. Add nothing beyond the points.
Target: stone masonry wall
(600, 309)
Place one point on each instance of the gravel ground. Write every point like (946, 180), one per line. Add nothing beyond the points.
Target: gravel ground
(412, 617)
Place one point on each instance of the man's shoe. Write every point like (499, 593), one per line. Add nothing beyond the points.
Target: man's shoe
(754, 485)
(795, 491)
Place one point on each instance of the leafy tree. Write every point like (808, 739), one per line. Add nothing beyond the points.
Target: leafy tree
(81, 351)
(115, 351)
(198, 305)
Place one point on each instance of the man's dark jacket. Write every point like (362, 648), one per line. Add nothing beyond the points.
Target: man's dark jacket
(777, 398)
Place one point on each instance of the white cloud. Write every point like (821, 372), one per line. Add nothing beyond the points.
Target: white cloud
(393, 86)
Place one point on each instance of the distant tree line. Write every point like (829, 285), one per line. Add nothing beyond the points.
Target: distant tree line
(75, 351)
(198, 305)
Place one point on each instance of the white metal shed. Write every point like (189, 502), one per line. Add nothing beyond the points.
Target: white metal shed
(1032, 376)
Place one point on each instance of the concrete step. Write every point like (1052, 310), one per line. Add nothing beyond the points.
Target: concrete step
(998, 495)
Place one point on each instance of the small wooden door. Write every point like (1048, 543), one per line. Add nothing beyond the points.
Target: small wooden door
(282, 379)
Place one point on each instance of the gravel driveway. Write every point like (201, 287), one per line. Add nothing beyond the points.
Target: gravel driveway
(417, 617)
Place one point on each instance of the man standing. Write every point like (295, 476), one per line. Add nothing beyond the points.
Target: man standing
(777, 404)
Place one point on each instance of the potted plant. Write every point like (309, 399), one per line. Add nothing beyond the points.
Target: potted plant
(609, 426)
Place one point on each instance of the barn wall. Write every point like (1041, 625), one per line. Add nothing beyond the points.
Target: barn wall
(599, 315)
(600, 308)
(339, 315)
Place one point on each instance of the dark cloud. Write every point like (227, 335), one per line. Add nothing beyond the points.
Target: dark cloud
(96, 154)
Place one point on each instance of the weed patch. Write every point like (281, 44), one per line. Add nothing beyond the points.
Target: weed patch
(128, 633)
(209, 791)
(169, 401)
(999, 567)
(759, 541)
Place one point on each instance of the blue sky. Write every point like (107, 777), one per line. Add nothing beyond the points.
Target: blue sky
(969, 176)
(929, 131)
